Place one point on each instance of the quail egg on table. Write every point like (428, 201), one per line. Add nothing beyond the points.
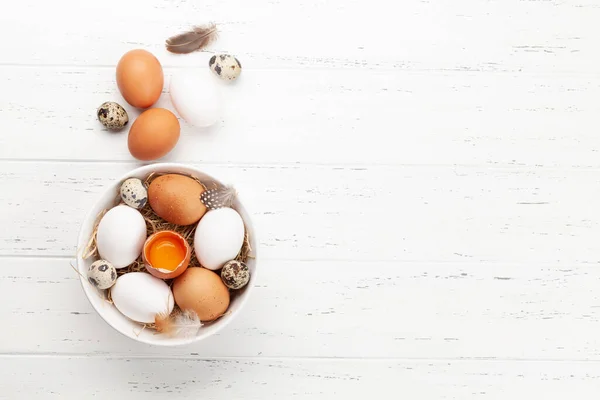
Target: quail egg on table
(112, 115)
(133, 193)
(235, 274)
(102, 274)
(226, 66)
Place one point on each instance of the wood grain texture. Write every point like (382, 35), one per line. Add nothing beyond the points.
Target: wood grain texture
(470, 35)
(362, 310)
(413, 214)
(49, 378)
(336, 309)
(324, 117)
(422, 175)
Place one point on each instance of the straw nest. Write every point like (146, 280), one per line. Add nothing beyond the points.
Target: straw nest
(155, 224)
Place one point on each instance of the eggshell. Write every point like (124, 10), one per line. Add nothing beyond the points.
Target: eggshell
(112, 115)
(134, 193)
(141, 297)
(153, 134)
(197, 97)
(121, 235)
(176, 199)
(102, 274)
(202, 291)
(219, 237)
(140, 78)
(165, 273)
(225, 66)
(235, 274)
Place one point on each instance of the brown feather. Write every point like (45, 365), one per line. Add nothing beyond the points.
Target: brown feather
(194, 40)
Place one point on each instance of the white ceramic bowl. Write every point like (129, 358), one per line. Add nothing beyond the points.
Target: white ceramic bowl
(109, 312)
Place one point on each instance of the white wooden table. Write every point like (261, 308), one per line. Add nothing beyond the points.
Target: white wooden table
(424, 176)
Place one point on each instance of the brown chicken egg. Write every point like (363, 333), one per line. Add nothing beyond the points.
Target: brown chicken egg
(202, 291)
(140, 78)
(153, 134)
(176, 199)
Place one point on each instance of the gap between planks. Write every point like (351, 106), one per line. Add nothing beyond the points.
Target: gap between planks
(196, 356)
(299, 164)
(309, 68)
(491, 264)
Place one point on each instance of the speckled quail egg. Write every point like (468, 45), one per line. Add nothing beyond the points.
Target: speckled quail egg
(235, 274)
(112, 115)
(226, 66)
(134, 193)
(102, 274)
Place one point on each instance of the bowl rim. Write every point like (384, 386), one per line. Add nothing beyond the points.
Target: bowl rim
(90, 218)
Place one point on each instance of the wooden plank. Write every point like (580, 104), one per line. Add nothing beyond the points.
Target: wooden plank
(51, 377)
(336, 309)
(323, 116)
(319, 212)
(412, 35)
(422, 186)
(412, 214)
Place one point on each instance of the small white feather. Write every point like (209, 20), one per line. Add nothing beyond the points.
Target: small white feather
(185, 324)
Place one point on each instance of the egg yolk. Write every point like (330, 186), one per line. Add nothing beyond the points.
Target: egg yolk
(166, 253)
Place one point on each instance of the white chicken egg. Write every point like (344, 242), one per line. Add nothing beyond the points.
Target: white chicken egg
(219, 237)
(141, 297)
(196, 96)
(121, 236)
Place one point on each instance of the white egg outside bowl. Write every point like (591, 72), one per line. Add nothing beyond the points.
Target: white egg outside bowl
(109, 312)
